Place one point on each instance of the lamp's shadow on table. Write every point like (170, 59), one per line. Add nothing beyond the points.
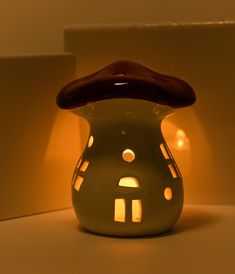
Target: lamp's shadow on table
(194, 218)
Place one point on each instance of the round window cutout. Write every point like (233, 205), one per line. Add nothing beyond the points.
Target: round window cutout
(168, 193)
(90, 141)
(128, 155)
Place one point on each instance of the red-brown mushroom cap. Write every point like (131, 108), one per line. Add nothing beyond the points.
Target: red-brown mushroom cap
(126, 79)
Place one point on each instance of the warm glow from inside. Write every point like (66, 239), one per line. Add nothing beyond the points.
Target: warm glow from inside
(177, 170)
(79, 163)
(129, 182)
(75, 171)
(119, 210)
(164, 151)
(90, 141)
(168, 193)
(173, 171)
(136, 211)
(78, 183)
(84, 166)
(128, 155)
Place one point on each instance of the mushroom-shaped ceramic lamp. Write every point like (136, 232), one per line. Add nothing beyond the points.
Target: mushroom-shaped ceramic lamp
(126, 182)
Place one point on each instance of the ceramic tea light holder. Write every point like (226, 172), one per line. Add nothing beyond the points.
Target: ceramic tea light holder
(126, 182)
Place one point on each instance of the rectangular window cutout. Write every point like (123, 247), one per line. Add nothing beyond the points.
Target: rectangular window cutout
(75, 171)
(78, 183)
(84, 166)
(79, 162)
(119, 210)
(173, 171)
(178, 171)
(136, 211)
(129, 182)
(164, 151)
(168, 151)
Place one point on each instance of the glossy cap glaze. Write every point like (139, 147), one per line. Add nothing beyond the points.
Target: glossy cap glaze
(126, 79)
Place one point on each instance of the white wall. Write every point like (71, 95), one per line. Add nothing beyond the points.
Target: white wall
(29, 26)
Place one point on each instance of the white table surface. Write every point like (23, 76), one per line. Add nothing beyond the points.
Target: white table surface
(203, 241)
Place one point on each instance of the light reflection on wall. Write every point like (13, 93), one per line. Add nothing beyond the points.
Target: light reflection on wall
(187, 140)
(62, 152)
(64, 141)
(179, 144)
(181, 141)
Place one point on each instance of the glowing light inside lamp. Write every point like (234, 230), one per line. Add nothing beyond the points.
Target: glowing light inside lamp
(75, 171)
(136, 211)
(79, 162)
(90, 141)
(173, 171)
(119, 210)
(128, 155)
(164, 151)
(129, 182)
(84, 166)
(78, 183)
(168, 193)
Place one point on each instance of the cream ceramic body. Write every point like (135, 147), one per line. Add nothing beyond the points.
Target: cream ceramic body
(117, 125)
